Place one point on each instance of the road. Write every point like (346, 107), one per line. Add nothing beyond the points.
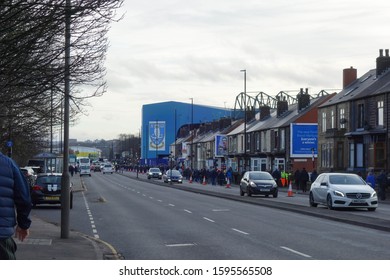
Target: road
(144, 221)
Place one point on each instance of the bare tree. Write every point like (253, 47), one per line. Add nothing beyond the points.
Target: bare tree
(32, 63)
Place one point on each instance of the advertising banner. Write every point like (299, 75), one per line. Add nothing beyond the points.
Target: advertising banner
(157, 135)
(221, 146)
(304, 140)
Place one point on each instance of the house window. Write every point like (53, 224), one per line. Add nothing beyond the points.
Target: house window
(360, 116)
(282, 139)
(326, 155)
(380, 111)
(257, 135)
(276, 139)
(359, 155)
(342, 117)
(352, 155)
(340, 155)
(323, 121)
(242, 143)
(332, 119)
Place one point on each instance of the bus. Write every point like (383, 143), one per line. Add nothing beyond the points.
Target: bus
(83, 161)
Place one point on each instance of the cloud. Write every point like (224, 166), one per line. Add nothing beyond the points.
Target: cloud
(173, 50)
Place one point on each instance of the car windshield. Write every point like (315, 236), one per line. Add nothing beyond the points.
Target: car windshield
(154, 170)
(173, 172)
(260, 176)
(49, 180)
(345, 180)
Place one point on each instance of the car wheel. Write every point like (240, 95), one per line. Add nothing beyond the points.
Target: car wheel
(371, 209)
(241, 192)
(311, 200)
(248, 192)
(89, 175)
(329, 202)
(275, 195)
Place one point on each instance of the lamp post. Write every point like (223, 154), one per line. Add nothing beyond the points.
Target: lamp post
(244, 117)
(65, 191)
(192, 133)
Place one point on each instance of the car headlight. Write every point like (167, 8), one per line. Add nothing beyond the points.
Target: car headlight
(159, 174)
(252, 184)
(373, 195)
(338, 193)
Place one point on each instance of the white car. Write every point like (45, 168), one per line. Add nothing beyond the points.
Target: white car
(85, 170)
(108, 168)
(337, 190)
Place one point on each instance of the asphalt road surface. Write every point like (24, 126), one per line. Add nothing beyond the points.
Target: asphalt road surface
(146, 221)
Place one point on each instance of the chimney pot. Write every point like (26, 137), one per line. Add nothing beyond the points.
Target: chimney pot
(387, 52)
(380, 52)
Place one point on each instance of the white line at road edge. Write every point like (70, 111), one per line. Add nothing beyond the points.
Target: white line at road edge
(295, 252)
(188, 211)
(94, 230)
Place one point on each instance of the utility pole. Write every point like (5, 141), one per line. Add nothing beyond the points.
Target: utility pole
(65, 183)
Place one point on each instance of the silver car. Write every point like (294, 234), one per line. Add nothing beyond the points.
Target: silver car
(337, 190)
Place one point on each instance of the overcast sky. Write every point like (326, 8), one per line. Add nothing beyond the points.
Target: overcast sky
(174, 50)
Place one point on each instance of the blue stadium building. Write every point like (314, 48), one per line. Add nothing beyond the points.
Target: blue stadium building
(162, 121)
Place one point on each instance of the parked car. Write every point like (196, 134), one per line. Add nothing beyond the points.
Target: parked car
(172, 176)
(154, 172)
(108, 168)
(47, 189)
(258, 182)
(337, 190)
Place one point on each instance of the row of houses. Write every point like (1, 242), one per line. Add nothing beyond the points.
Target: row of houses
(344, 131)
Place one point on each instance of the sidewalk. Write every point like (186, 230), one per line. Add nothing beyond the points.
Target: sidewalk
(45, 242)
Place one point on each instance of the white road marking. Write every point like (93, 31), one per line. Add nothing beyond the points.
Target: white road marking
(180, 245)
(93, 226)
(240, 231)
(295, 252)
(188, 211)
(210, 220)
(220, 210)
(159, 200)
(173, 205)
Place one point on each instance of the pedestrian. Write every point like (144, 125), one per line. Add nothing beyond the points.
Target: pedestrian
(371, 179)
(313, 176)
(15, 205)
(382, 183)
(297, 175)
(71, 170)
(303, 179)
(277, 176)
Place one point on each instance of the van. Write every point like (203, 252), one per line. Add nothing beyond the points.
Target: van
(85, 170)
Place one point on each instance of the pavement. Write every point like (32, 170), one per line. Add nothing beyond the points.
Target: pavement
(45, 242)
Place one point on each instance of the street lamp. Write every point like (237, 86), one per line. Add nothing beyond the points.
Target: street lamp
(192, 133)
(244, 117)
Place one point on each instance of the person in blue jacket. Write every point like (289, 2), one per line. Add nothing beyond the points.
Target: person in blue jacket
(15, 207)
(371, 179)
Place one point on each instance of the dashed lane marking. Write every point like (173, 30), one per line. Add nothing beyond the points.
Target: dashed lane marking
(295, 252)
(240, 231)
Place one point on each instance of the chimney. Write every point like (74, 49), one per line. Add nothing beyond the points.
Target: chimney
(303, 99)
(382, 62)
(265, 111)
(281, 107)
(349, 76)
